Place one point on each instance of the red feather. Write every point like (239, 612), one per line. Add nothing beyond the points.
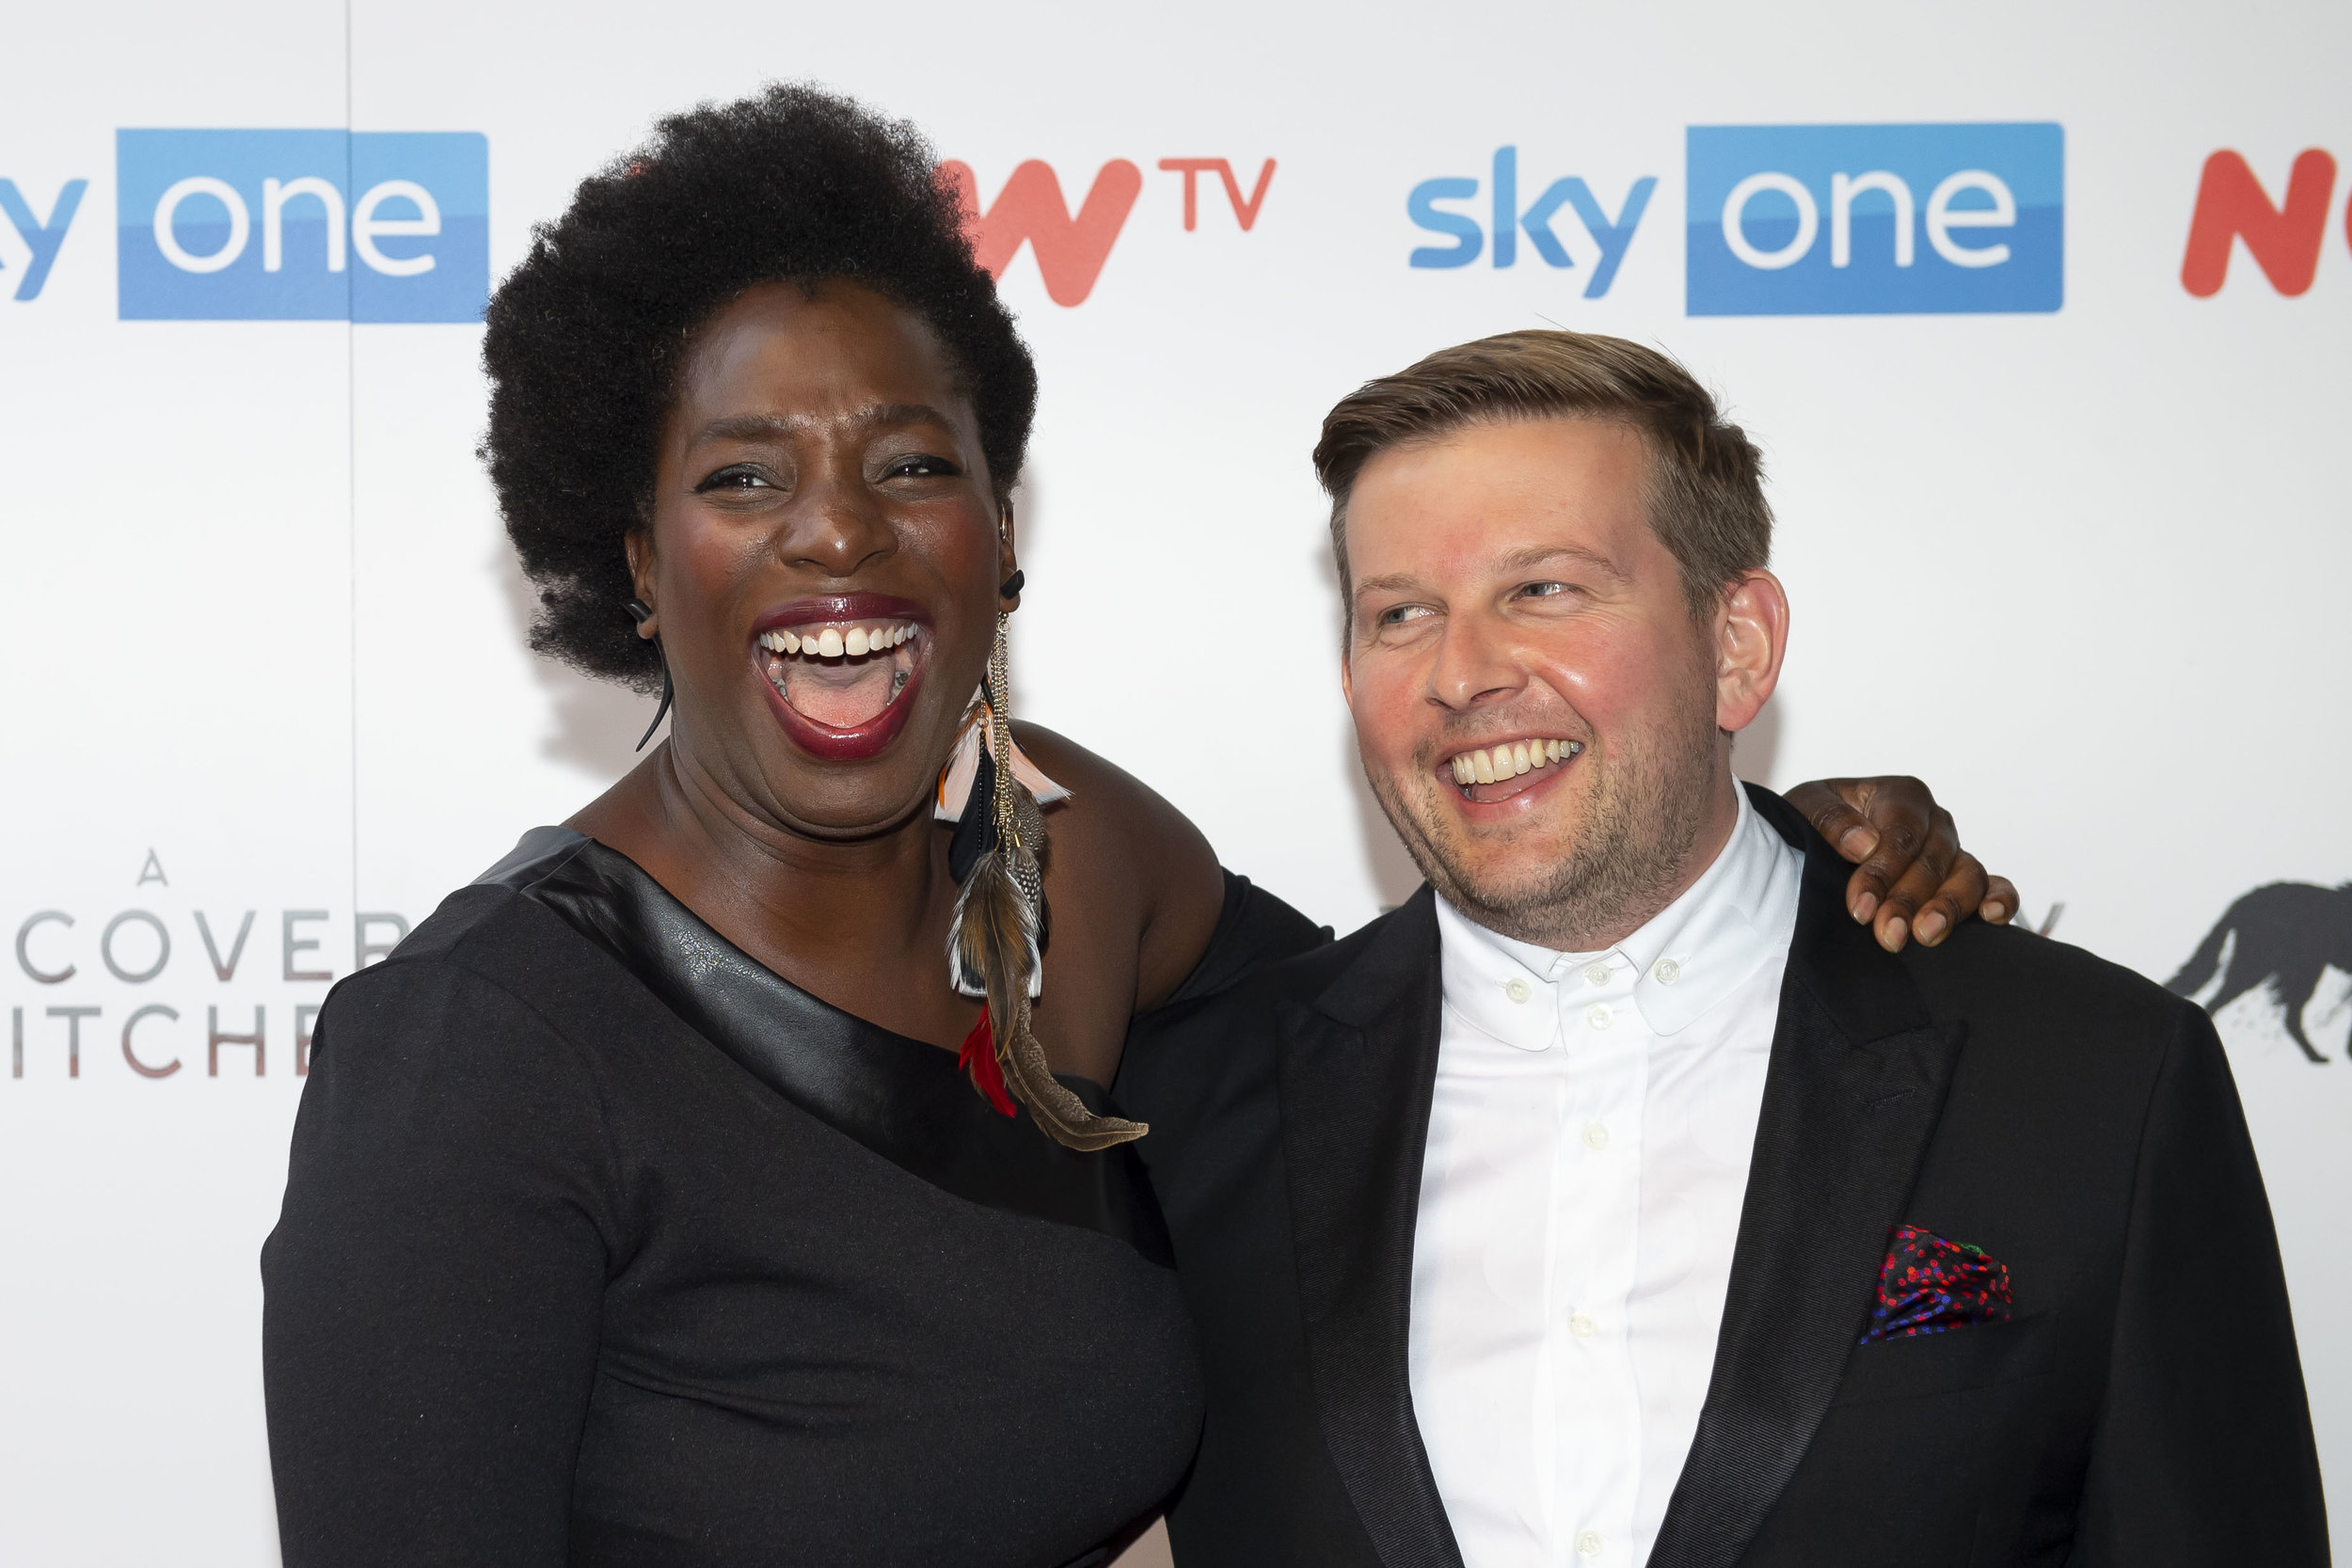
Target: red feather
(979, 1058)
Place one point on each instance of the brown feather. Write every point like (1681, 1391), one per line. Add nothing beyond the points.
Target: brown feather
(994, 942)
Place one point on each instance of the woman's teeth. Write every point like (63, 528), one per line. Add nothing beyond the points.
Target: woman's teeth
(843, 674)
(838, 642)
(1509, 761)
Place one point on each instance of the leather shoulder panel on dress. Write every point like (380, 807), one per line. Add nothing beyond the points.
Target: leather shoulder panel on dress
(902, 1099)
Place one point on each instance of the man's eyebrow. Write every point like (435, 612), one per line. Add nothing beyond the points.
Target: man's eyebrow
(772, 427)
(1396, 582)
(1544, 555)
(1525, 560)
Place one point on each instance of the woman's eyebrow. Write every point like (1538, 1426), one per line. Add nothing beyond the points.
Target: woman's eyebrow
(907, 413)
(772, 427)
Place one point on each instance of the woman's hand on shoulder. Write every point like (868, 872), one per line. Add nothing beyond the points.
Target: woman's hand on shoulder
(1911, 877)
(1119, 839)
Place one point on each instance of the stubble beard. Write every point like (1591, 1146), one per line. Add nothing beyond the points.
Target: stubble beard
(1640, 826)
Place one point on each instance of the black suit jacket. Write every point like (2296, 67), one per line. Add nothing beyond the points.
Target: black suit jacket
(2145, 1406)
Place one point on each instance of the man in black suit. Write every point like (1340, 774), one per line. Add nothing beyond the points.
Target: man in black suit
(1617, 1199)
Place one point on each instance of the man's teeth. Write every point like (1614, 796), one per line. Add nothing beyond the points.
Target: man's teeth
(1509, 761)
(838, 642)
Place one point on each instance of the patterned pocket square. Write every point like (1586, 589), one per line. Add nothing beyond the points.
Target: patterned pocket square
(1928, 1285)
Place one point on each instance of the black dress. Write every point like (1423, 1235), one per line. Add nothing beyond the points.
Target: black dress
(603, 1244)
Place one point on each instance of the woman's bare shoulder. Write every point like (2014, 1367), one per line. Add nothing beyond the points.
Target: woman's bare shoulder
(1114, 825)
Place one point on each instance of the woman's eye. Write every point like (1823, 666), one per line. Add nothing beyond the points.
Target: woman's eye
(737, 477)
(921, 466)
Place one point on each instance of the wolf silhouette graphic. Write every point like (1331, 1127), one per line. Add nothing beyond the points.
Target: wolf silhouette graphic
(2287, 933)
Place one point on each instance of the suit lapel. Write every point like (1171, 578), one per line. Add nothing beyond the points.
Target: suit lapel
(1357, 1070)
(1856, 1084)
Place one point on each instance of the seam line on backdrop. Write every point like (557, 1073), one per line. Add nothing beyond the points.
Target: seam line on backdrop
(351, 476)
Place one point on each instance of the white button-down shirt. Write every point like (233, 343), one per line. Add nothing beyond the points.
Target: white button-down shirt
(1588, 1153)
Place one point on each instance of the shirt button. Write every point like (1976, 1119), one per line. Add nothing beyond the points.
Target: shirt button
(1597, 974)
(1581, 1325)
(1588, 1543)
(1599, 1017)
(1595, 1135)
(1668, 970)
(1516, 988)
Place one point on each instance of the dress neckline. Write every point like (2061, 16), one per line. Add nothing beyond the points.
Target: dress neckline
(903, 1099)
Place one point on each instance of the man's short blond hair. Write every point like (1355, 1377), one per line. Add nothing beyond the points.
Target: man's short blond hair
(1707, 479)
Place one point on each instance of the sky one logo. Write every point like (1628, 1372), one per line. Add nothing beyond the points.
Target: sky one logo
(364, 226)
(42, 236)
(1510, 220)
(1813, 220)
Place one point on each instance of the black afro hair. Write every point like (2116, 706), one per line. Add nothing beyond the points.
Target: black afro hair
(584, 336)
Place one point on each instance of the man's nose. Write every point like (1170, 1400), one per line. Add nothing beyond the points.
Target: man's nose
(840, 527)
(1473, 667)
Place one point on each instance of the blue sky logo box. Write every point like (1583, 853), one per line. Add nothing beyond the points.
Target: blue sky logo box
(364, 226)
(1832, 220)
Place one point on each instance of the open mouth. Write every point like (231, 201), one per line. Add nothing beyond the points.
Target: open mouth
(841, 670)
(1497, 773)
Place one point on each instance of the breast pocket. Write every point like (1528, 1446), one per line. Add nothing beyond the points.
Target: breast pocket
(1977, 1356)
(1926, 1440)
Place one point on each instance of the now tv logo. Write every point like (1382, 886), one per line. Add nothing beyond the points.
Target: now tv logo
(1071, 248)
(2283, 238)
(363, 226)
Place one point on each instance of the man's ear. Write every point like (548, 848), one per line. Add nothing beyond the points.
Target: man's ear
(1007, 559)
(1751, 637)
(638, 544)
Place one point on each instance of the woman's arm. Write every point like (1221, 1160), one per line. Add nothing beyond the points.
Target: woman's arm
(434, 1288)
(1912, 877)
(1145, 867)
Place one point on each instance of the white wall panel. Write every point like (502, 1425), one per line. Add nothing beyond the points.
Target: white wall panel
(2083, 570)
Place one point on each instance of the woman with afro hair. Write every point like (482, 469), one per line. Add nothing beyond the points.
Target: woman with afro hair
(662, 1199)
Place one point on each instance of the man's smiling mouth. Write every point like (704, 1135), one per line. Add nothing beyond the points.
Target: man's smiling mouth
(842, 673)
(1488, 773)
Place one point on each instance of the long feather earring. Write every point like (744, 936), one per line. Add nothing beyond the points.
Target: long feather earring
(994, 947)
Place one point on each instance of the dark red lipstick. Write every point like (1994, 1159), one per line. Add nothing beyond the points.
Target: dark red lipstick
(840, 607)
(871, 737)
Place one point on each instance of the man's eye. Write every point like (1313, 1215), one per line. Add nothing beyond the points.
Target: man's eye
(737, 477)
(1543, 590)
(1399, 614)
(921, 466)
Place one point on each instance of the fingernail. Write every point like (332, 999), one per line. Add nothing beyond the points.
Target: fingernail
(1866, 906)
(1995, 911)
(1931, 927)
(1897, 932)
(1858, 840)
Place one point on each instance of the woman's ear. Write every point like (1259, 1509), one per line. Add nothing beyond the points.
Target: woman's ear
(1007, 559)
(638, 544)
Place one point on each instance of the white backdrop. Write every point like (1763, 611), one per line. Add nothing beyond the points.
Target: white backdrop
(2081, 569)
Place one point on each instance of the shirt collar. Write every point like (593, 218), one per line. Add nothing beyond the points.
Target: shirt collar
(1690, 955)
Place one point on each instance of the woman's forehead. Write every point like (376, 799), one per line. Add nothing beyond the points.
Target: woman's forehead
(797, 341)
